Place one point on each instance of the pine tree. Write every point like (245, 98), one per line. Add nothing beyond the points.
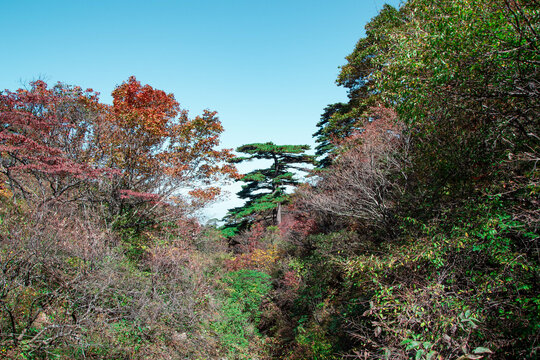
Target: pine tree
(265, 189)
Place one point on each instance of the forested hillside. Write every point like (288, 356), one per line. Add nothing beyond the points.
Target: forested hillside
(411, 234)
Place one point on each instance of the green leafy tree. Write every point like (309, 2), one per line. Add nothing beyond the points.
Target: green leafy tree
(341, 120)
(461, 74)
(332, 126)
(265, 189)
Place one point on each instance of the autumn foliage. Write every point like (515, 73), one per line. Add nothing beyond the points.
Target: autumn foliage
(367, 176)
(158, 147)
(44, 139)
(416, 236)
(54, 138)
(98, 244)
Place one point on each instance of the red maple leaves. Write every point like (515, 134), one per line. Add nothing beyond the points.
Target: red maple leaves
(64, 132)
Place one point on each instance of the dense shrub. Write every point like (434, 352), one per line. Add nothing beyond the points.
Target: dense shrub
(241, 312)
(69, 290)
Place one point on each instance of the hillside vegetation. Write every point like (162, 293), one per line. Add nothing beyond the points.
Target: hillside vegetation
(414, 237)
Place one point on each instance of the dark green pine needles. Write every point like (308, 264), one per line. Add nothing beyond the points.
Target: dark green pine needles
(264, 189)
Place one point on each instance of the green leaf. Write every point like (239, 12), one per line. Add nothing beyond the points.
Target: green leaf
(482, 350)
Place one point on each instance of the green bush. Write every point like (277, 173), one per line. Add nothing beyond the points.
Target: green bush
(241, 312)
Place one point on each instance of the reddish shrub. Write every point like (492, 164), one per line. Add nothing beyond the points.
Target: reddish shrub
(366, 177)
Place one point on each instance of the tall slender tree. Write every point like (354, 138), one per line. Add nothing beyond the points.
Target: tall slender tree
(358, 76)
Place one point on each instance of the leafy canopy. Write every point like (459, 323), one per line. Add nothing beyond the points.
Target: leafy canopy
(158, 147)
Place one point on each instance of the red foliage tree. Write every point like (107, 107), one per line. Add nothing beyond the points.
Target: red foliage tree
(62, 140)
(158, 147)
(41, 140)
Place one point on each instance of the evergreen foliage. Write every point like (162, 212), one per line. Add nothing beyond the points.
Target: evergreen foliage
(265, 189)
(332, 127)
(419, 238)
(341, 120)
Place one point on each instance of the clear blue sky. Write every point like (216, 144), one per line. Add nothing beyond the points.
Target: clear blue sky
(267, 67)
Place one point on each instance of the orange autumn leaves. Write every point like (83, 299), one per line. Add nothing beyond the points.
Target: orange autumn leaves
(149, 141)
(158, 147)
(143, 108)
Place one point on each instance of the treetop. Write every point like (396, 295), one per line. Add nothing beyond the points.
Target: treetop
(270, 147)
